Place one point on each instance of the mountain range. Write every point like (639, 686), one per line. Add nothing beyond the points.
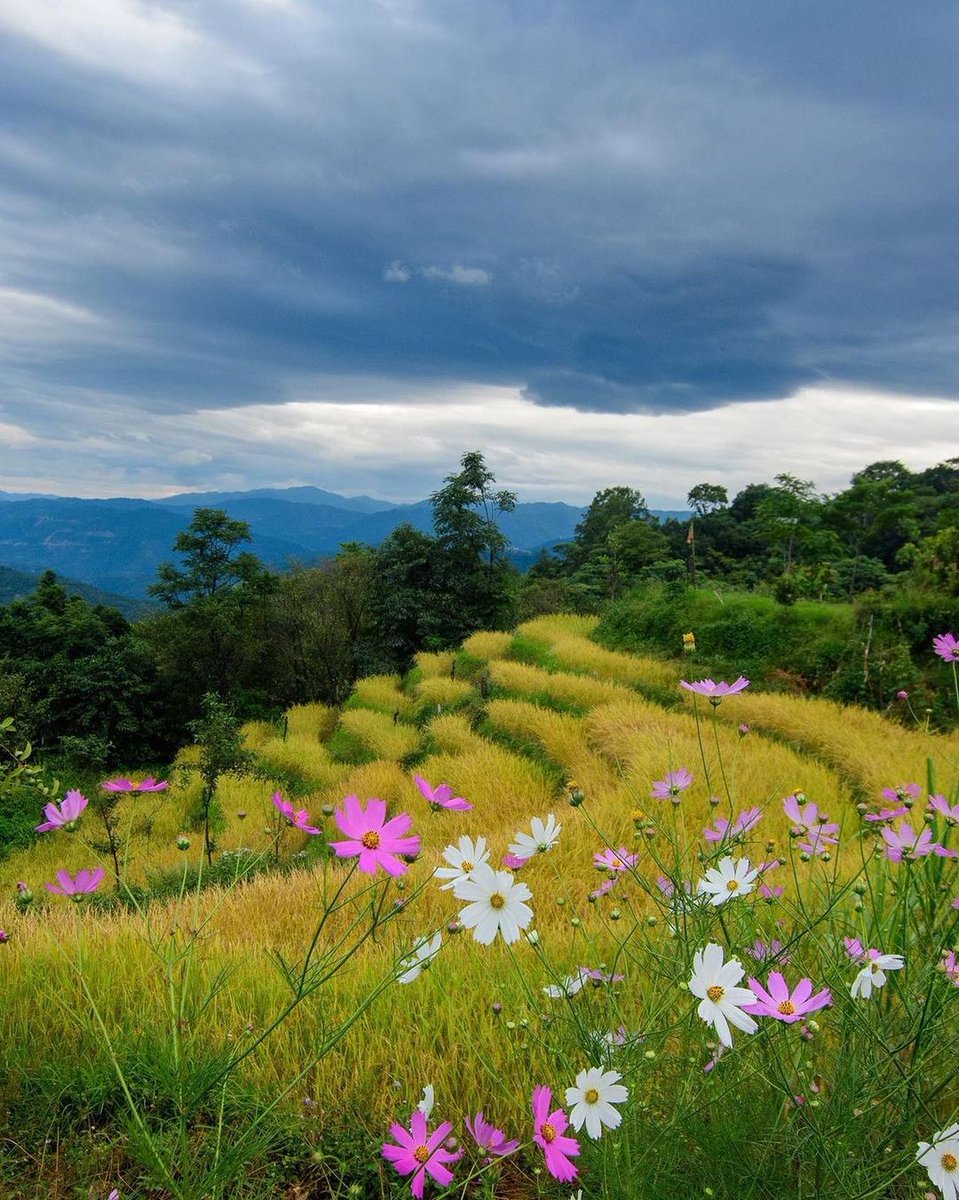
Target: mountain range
(116, 545)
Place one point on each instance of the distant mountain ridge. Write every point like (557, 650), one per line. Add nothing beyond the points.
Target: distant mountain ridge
(116, 545)
(17, 585)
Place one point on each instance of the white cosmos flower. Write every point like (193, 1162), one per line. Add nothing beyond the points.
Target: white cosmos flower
(873, 974)
(425, 949)
(569, 987)
(462, 857)
(544, 837)
(941, 1160)
(714, 983)
(496, 904)
(592, 1099)
(429, 1099)
(728, 880)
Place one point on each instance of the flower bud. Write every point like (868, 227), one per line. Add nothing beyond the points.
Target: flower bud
(182, 841)
(615, 914)
(454, 927)
(497, 1008)
(860, 887)
(241, 814)
(714, 801)
(651, 922)
(533, 937)
(575, 922)
(327, 810)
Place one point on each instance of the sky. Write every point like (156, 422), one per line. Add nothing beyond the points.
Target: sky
(253, 243)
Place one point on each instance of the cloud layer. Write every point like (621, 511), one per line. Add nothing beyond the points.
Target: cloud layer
(615, 209)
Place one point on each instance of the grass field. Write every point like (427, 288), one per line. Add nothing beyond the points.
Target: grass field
(512, 723)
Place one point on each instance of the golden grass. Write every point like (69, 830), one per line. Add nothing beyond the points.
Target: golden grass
(581, 690)
(487, 645)
(568, 639)
(255, 733)
(312, 721)
(558, 625)
(383, 693)
(442, 691)
(302, 756)
(431, 665)
(453, 734)
(378, 731)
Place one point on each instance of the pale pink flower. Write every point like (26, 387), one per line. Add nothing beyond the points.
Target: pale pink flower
(782, 1005)
(514, 862)
(818, 837)
(85, 881)
(299, 818)
(418, 1152)
(770, 893)
(65, 816)
(604, 888)
(723, 830)
(549, 1130)
(951, 967)
(854, 948)
(441, 796)
(904, 842)
(706, 687)
(599, 977)
(615, 860)
(901, 792)
(941, 805)
(489, 1138)
(671, 786)
(768, 951)
(888, 814)
(376, 841)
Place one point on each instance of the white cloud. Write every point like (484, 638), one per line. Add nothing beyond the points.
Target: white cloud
(190, 458)
(397, 272)
(464, 276)
(12, 437)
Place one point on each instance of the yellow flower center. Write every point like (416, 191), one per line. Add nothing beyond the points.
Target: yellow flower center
(591, 1096)
(949, 1162)
(466, 866)
(875, 968)
(787, 1008)
(715, 993)
(733, 885)
(548, 1133)
(370, 840)
(421, 1154)
(497, 900)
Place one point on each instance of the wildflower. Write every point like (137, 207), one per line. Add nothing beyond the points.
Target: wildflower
(127, 785)
(727, 880)
(544, 837)
(604, 888)
(715, 691)
(904, 842)
(723, 830)
(941, 805)
(489, 1138)
(496, 904)
(902, 792)
(950, 966)
(768, 951)
(114, 1194)
(779, 1004)
(615, 860)
(818, 837)
(873, 974)
(598, 977)
(902, 694)
(375, 840)
(4, 936)
(463, 858)
(567, 988)
(946, 646)
(419, 1153)
(689, 642)
(743, 730)
(591, 1100)
(549, 1133)
(514, 862)
(721, 1001)
(425, 1106)
(887, 814)
(298, 818)
(941, 1160)
(671, 786)
(714, 1059)
(85, 881)
(425, 949)
(853, 947)
(182, 841)
(65, 816)
(441, 796)
(770, 893)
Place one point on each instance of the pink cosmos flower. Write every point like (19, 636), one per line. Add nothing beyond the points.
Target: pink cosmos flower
(951, 967)
(770, 893)
(779, 1004)
(549, 1129)
(946, 646)
(419, 1153)
(85, 881)
(598, 976)
(127, 785)
(904, 842)
(615, 860)
(706, 687)
(674, 783)
(152, 785)
(489, 1138)
(854, 948)
(668, 888)
(514, 862)
(604, 888)
(888, 814)
(766, 951)
(69, 810)
(299, 818)
(376, 840)
(441, 796)
(723, 830)
(818, 837)
(4, 936)
(901, 792)
(802, 812)
(941, 805)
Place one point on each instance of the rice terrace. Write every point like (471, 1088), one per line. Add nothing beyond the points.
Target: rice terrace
(580, 1019)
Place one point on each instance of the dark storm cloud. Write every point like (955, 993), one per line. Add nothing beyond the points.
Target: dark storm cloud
(615, 207)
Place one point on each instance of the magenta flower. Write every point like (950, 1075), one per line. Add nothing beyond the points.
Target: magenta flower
(152, 785)
(951, 967)
(298, 818)
(4, 936)
(946, 646)
(441, 796)
(549, 1129)
(802, 812)
(127, 785)
(615, 860)
(376, 840)
(818, 837)
(66, 815)
(604, 888)
(668, 888)
(723, 830)
(514, 862)
(419, 1152)
(780, 1004)
(770, 893)
(489, 1138)
(674, 783)
(888, 814)
(854, 948)
(85, 881)
(902, 792)
(904, 842)
(706, 687)
(766, 951)
(941, 805)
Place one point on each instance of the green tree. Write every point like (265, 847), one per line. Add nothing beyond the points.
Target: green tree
(707, 498)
